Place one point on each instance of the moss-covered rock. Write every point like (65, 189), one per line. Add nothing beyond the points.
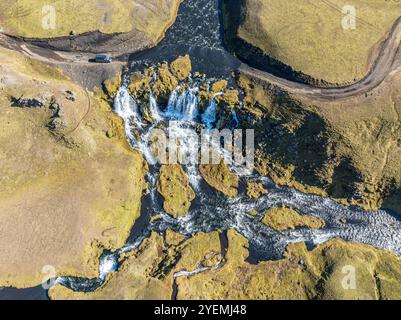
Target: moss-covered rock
(181, 67)
(218, 86)
(221, 178)
(281, 219)
(112, 85)
(140, 83)
(166, 82)
(174, 186)
(255, 190)
(229, 98)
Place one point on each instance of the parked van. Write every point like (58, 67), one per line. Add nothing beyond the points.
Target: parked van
(100, 58)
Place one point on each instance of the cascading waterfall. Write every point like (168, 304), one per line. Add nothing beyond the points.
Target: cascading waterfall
(210, 116)
(212, 211)
(109, 263)
(216, 212)
(154, 110)
(126, 108)
(183, 106)
(235, 118)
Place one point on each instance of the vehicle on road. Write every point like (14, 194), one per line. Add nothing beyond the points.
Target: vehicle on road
(100, 58)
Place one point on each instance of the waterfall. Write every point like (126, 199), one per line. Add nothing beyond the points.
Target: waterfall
(235, 119)
(213, 211)
(183, 106)
(210, 115)
(153, 108)
(126, 107)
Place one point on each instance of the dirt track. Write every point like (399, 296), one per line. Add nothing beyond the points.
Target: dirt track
(388, 60)
(386, 63)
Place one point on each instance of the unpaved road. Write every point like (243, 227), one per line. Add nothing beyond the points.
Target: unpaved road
(387, 62)
(75, 65)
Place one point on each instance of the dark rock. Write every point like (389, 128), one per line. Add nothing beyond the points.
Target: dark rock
(70, 95)
(25, 103)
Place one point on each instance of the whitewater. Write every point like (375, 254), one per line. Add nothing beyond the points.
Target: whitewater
(212, 211)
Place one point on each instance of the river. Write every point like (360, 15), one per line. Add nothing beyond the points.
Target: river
(198, 32)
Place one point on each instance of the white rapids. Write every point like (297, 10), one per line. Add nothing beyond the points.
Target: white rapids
(211, 211)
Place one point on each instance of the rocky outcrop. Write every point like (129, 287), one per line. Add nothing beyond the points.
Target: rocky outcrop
(174, 186)
(255, 190)
(25, 103)
(281, 219)
(181, 67)
(221, 178)
(326, 148)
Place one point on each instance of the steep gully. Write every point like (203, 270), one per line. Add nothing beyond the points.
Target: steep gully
(198, 32)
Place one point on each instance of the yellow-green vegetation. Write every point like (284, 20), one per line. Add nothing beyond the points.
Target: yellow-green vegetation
(255, 190)
(147, 272)
(135, 280)
(348, 150)
(33, 19)
(370, 130)
(323, 273)
(229, 97)
(140, 82)
(281, 219)
(309, 35)
(173, 238)
(111, 86)
(218, 86)
(181, 67)
(220, 177)
(166, 82)
(174, 186)
(202, 250)
(302, 274)
(169, 75)
(69, 183)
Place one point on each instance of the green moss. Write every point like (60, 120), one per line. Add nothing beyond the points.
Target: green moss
(281, 219)
(174, 186)
(181, 67)
(219, 177)
(111, 86)
(255, 190)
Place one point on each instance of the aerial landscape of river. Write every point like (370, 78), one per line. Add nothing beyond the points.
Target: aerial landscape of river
(198, 31)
